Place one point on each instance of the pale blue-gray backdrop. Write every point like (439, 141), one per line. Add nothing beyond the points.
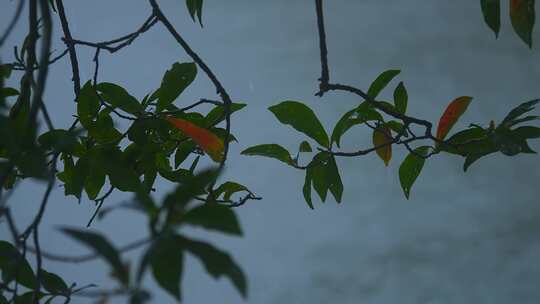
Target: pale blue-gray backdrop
(462, 238)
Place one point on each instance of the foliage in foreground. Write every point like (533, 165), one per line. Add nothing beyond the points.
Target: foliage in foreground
(162, 141)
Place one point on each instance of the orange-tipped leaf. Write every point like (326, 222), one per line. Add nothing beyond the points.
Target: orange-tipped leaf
(451, 115)
(206, 140)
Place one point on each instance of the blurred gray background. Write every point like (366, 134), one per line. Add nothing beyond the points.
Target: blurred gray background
(462, 238)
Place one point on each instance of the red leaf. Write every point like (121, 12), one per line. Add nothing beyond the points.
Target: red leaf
(454, 110)
(206, 140)
(383, 136)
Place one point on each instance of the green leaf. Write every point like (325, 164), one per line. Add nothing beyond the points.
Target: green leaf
(397, 127)
(228, 189)
(5, 70)
(74, 175)
(27, 298)
(190, 187)
(522, 14)
(343, 125)
(336, 185)
(217, 114)
(507, 143)
(306, 190)
(324, 174)
(213, 217)
(410, 169)
(526, 132)
(381, 82)
(102, 130)
(174, 82)
(14, 265)
(183, 151)
(401, 98)
(492, 14)
(118, 97)
(52, 282)
(7, 92)
(59, 140)
(366, 112)
(305, 147)
(104, 248)
(195, 8)
(318, 175)
(95, 179)
(121, 173)
(463, 142)
(87, 104)
(218, 263)
(270, 150)
(166, 259)
(518, 111)
(301, 118)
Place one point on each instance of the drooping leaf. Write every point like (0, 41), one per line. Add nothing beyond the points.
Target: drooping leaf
(74, 175)
(306, 189)
(451, 115)
(218, 263)
(213, 217)
(381, 82)
(336, 185)
(270, 150)
(410, 169)
(87, 104)
(319, 174)
(324, 175)
(174, 82)
(491, 9)
(95, 179)
(167, 261)
(15, 266)
(401, 98)
(522, 14)
(208, 141)
(118, 97)
(195, 8)
(104, 248)
(301, 118)
(382, 138)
